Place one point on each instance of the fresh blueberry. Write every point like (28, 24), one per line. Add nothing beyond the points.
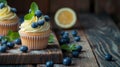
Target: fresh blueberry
(74, 33)
(47, 18)
(2, 49)
(38, 13)
(24, 48)
(77, 38)
(78, 48)
(75, 53)
(61, 33)
(41, 22)
(2, 5)
(34, 25)
(108, 57)
(4, 41)
(62, 41)
(10, 44)
(13, 10)
(67, 61)
(49, 64)
(1, 37)
(17, 41)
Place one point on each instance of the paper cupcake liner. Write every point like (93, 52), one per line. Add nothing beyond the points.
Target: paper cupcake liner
(4, 28)
(35, 42)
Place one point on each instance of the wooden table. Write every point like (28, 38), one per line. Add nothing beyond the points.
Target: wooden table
(99, 36)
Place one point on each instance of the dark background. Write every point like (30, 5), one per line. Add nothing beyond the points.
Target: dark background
(110, 7)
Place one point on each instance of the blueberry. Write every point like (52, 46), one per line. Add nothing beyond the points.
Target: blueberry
(61, 33)
(17, 41)
(13, 10)
(38, 13)
(75, 53)
(67, 61)
(74, 33)
(78, 48)
(10, 44)
(41, 22)
(2, 49)
(77, 38)
(65, 36)
(1, 37)
(47, 18)
(2, 5)
(49, 64)
(108, 57)
(62, 41)
(34, 25)
(24, 48)
(4, 41)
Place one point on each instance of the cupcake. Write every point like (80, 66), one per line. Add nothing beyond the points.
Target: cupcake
(35, 30)
(8, 19)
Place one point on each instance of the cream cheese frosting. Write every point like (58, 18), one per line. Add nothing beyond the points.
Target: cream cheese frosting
(26, 25)
(6, 14)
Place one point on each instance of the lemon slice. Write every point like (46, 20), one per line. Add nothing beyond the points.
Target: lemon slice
(65, 18)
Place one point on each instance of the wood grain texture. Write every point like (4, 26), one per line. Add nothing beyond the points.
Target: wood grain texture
(86, 57)
(15, 56)
(16, 65)
(104, 37)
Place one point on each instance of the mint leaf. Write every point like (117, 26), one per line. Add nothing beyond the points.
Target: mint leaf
(3, 1)
(33, 7)
(12, 35)
(28, 16)
(51, 39)
(68, 48)
(72, 47)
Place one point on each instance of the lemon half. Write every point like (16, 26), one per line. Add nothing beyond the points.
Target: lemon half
(65, 18)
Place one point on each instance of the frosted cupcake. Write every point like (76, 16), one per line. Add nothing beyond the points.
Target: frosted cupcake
(35, 29)
(8, 19)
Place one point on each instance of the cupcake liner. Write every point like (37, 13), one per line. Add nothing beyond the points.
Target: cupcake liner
(4, 28)
(35, 40)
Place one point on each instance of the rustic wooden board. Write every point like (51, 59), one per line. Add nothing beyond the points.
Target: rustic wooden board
(15, 56)
(16, 65)
(86, 57)
(104, 37)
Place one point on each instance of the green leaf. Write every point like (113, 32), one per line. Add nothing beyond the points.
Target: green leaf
(12, 35)
(3, 1)
(33, 7)
(72, 47)
(28, 16)
(51, 39)
(68, 48)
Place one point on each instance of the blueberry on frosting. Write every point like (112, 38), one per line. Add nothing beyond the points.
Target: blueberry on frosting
(47, 18)
(34, 25)
(38, 13)
(41, 22)
(2, 5)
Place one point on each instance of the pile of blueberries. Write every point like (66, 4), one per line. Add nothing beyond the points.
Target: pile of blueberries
(2, 5)
(5, 44)
(38, 13)
(65, 39)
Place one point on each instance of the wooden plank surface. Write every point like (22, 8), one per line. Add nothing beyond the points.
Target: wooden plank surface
(15, 56)
(16, 65)
(86, 57)
(104, 37)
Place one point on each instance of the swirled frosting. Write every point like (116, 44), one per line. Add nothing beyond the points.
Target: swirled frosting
(26, 25)
(6, 14)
